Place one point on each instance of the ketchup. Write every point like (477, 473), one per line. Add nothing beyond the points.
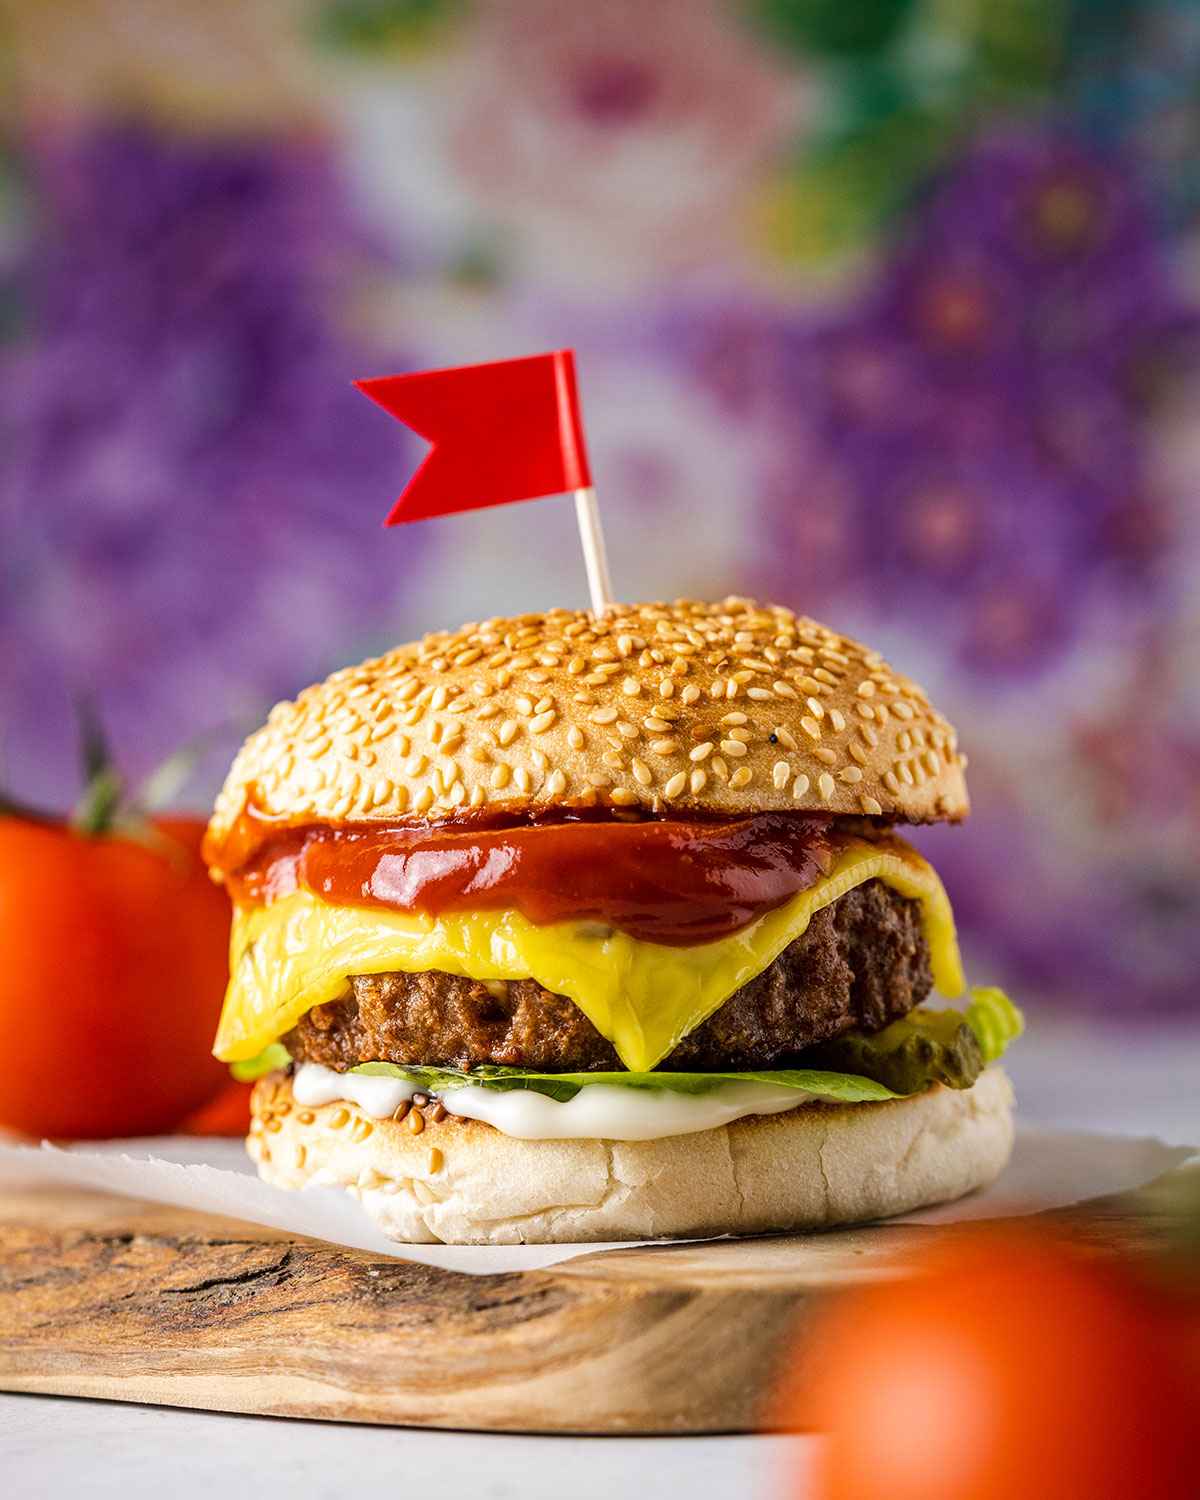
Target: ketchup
(674, 882)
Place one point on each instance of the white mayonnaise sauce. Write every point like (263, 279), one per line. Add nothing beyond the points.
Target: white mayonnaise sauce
(601, 1111)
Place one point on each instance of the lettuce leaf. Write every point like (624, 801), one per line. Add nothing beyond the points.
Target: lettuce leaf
(268, 1060)
(995, 1020)
(564, 1086)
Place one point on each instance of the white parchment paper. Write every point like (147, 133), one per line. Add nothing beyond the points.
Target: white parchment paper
(1049, 1169)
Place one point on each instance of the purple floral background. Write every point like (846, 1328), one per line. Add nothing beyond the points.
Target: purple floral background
(889, 316)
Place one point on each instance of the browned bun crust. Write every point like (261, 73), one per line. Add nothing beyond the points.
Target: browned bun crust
(720, 709)
(462, 1182)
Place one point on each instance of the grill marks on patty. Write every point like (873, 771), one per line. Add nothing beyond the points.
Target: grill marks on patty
(862, 962)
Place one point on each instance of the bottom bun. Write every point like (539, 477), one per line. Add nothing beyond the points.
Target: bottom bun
(462, 1182)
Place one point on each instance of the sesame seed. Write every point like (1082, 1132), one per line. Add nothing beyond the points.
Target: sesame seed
(857, 752)
(799, 787)
(641, 771)
(810, 727)
(523, 779)
(892, 782)
(785, 737)
(701, 752)
(556, 784)
(758, 694)
(743, 776)
(734, 718)
(824, 753)
(665, 688)
(631, 687)
(575, 737)
(838, 719)
(735, 748)
(851, 774)
(780, 772)
(507, 732)
(542, 722)
(742, 735)
(699, 778)
(602, 715)
(816, 707)
(870, 806)
(623, 797)
(825, 786)
(785, 690)
(675, 786)
(655, 725)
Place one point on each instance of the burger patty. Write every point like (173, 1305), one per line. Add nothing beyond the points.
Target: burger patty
(862, 962)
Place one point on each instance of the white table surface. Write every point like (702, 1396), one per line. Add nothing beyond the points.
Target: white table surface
(1124, 1082)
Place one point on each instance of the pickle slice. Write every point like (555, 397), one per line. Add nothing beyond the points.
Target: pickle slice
(926, 1046)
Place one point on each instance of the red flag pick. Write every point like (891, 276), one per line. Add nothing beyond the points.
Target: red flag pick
(505, 431)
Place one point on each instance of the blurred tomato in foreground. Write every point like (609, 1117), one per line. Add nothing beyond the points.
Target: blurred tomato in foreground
(113, 962)
(1003, 1365)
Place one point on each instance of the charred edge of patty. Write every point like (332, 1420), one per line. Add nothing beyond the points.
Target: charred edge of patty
(862, 962)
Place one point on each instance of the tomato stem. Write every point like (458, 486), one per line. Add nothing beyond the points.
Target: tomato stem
(97, 809)
(103, 789)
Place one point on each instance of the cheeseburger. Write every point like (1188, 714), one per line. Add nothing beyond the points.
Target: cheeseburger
(565, 927)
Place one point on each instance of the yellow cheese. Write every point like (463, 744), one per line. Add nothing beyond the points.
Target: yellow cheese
(644, 997)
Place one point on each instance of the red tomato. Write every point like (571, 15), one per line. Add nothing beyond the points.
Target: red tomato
(1004, 1366)
(113, 961)
(227, 1114)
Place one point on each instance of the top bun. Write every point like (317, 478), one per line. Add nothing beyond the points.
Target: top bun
(727, 709)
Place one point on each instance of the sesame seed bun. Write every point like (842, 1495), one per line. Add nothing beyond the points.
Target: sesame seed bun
(724, 709)
(462, 1182)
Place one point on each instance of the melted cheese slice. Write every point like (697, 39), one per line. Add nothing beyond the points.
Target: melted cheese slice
(644, 997)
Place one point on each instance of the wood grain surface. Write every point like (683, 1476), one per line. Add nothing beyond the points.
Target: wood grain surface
(105, 1297)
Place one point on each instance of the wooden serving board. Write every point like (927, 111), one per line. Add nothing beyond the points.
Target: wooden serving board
(106, 1297)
